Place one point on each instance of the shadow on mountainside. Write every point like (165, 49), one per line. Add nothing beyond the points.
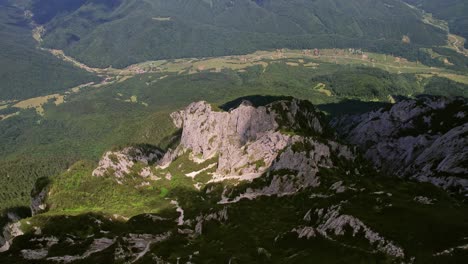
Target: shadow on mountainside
(351, 106)
(256, 100)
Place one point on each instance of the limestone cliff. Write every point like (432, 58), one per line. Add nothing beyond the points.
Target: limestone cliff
(248, 141)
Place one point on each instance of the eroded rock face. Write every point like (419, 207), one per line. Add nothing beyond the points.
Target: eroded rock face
(425, 139)
(120, 163)
(39, 195)
(10, 226)
(216, 216)
(282, 143)
(331, 222)
(244, 143)
(9, 232)
(205, 131)
(295, 168)
(247, 140)
(133, 247)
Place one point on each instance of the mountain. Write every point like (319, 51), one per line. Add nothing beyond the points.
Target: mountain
(118, 33)
(156, 131)
(25, 70)
(243, 183)
(423, 139)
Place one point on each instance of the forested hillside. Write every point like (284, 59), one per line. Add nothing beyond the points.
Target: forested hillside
(455, 12)
(26, 71)
(118, 33)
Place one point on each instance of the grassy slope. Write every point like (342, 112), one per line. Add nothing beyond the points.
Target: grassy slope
(98, 33)
(26, 71)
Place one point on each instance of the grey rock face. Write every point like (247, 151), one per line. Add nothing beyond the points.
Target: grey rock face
(10, 227)
(277, 142)
(217, 216)
(204, 130)
(332, 223)
(246, 140)
(121, 162)
(135, 246)
(245, 143)
(9, 232)
(424, 139)
(242, 136)
(39, 195)
(38, 204)
(293, 169)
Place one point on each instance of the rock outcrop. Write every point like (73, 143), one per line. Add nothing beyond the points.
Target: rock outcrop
(120, 163)
(249, 141)
(39, 195)
(9, 232)
(424, 139)
(283, 140)
(331, 222)
(243, 144)
(9, 225)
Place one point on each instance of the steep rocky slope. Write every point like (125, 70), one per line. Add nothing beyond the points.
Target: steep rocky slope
(424, 139)
(267, 184)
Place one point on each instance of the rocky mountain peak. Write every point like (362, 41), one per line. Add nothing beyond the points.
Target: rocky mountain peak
(242, 144)
(246, 140)
(204, 130)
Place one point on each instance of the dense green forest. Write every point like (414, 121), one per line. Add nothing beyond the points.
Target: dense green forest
(17, 177)
(455, 12)
(26, 71)
(119, 33)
